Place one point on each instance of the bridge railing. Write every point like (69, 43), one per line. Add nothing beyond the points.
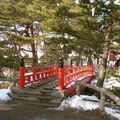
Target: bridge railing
(81, 71)
(31, 75)
(73, 74)
(66, 74)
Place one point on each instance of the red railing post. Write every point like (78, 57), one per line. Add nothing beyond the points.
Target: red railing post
(54, 69)
(43, 73)
(61, 75)
(55, 66)
(22, 77)
(34, 74)
(21, 73)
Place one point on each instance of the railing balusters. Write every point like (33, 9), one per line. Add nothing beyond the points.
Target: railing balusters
(65, 74)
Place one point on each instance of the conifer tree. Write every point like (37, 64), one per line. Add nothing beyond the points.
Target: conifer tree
(17, 15)
(107, 18)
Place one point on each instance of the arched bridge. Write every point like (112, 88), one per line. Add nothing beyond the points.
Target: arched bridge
(49, 85)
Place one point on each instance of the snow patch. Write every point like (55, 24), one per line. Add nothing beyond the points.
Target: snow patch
(3, 95)
(113, 112)
(111, 83)
(78, 102)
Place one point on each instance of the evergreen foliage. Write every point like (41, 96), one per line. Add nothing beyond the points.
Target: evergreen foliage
(66, 27)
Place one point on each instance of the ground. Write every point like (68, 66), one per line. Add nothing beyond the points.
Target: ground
(24, 111)
(73, 107)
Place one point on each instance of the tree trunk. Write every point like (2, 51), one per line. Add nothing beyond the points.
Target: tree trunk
(80, 59)
(102, 101)
(34, 52)
(64, 52)
(89, 61)
(103, 61)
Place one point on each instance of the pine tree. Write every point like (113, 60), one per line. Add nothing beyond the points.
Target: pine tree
(109, 22)
(71, 23)
(17, 14)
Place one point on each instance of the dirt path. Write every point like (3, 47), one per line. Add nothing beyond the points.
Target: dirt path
(24, 111)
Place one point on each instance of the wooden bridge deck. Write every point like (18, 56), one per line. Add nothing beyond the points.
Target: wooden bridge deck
(43, 93)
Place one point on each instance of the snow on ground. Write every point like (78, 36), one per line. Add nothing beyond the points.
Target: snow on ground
(3, 95)
(91, 102)
(109, 83)
(113, 112)
(78, 102)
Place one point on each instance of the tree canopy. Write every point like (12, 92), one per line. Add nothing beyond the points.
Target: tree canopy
(64, 25)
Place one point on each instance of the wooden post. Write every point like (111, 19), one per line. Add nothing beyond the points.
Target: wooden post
(102, 100)
(34, 73)
(61, 74)
(21, 72)
(43, 74)
(55, 70)
(55, 66)
(22, 77)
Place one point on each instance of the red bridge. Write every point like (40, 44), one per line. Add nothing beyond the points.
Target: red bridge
(51, 83)
(66, 76)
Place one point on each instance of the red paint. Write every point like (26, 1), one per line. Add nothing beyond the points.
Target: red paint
(61, 78)
(22, 77)
(65, 75)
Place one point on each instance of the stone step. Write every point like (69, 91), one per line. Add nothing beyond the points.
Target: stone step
(44, 93)
(38, 97)
(36, 101)
(16, 96)
(37, 92)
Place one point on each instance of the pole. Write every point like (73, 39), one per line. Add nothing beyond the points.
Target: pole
(22, 77)
(21, 72)
(61, 74)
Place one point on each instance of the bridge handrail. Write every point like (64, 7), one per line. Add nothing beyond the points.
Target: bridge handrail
(65, 74)
(31, 75)
(76, 73)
